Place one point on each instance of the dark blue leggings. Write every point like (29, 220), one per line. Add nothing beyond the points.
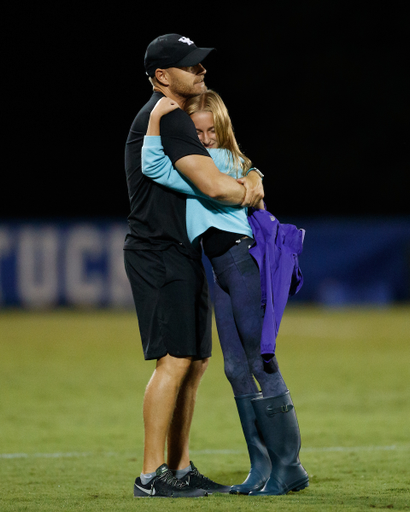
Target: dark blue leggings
(239, 319)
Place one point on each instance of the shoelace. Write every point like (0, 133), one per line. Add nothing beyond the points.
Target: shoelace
(201, 476)
(170, 479)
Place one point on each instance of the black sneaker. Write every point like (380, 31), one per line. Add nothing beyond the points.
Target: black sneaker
(198, 481)
(165, 485)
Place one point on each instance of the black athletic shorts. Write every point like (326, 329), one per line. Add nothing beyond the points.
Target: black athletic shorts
(171, 298)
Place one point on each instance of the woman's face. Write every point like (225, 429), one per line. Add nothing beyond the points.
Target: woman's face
(204, 124)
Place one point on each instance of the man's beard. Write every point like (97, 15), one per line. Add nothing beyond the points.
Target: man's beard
(186, 91)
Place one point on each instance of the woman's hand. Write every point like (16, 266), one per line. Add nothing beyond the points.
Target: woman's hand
(254, 190)
(162, 107)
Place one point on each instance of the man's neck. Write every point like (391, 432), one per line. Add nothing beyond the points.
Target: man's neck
(169, 94)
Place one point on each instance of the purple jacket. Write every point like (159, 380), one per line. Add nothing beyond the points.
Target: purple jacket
(276, 250)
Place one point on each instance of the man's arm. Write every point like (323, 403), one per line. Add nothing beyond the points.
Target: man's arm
(205, 175)
(157, 166)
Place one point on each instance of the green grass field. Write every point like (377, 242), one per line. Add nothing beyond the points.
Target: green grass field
(72, 384)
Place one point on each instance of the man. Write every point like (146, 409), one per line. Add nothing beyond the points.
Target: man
(165, 270)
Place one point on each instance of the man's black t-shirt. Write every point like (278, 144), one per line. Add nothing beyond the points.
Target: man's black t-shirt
(157, 218)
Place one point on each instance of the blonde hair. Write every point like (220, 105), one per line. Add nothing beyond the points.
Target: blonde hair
(210, 101)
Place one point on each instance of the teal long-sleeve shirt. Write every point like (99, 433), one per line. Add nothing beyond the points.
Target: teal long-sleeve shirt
(202, 213)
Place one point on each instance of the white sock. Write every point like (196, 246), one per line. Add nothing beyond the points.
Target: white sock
(147, 477)
(180, 473)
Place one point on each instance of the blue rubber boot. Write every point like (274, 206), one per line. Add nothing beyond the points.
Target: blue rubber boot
(277, 420)
(258, 454)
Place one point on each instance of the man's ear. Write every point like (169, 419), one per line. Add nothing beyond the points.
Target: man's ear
(162, 76)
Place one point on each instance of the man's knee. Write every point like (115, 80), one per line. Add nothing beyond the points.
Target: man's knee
(195, 372)
(174, 367)
(200, 365)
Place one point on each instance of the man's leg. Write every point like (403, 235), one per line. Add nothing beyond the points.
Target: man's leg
(178, 434)
(159, 403)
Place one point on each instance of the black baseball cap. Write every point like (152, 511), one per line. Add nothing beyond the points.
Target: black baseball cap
(172, 50)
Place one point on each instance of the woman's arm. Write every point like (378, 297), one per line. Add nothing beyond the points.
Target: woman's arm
(162, 107)
(155, 163)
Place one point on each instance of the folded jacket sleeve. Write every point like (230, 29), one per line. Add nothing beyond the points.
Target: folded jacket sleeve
(157, 166)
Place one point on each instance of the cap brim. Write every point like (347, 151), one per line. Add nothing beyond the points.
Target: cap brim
(195, 57)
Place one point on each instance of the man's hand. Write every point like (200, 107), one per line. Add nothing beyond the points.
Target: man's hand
(254, 190)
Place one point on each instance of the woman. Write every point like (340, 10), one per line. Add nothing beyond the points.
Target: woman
(268, 418)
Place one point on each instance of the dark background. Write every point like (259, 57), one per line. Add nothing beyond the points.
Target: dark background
(317, 91)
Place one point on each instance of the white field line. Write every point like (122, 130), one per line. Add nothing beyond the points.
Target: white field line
(60, 455)
(354, 448)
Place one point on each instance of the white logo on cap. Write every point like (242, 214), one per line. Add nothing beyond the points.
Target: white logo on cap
(185, 40)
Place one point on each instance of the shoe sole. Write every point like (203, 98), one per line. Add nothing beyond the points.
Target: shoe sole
(302, 484)
(219, 491)
(294, 487)
(172, 497)
(182, 495)
(245, 491)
